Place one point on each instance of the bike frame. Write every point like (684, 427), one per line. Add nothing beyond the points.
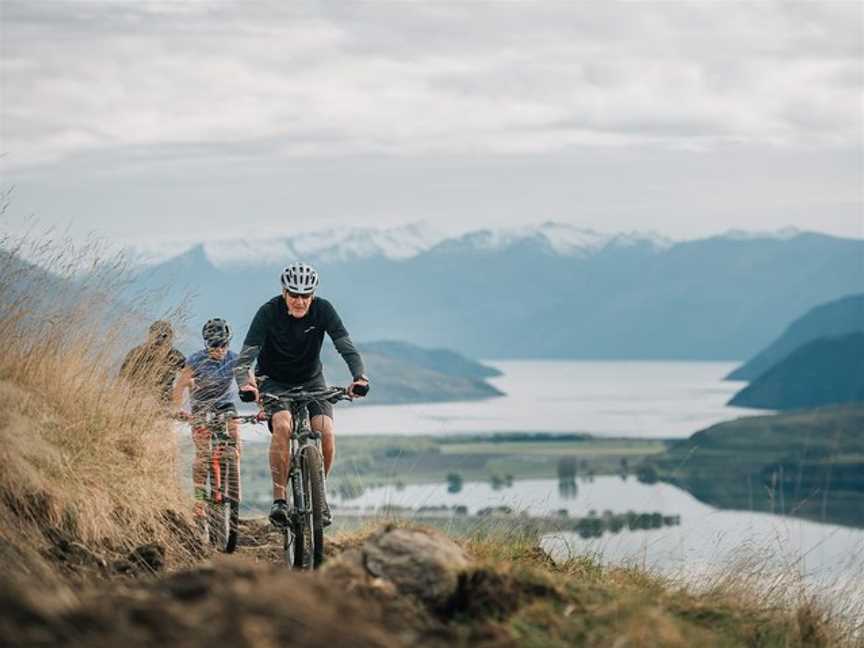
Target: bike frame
(220, 443)
(302, 437)
(216, 423)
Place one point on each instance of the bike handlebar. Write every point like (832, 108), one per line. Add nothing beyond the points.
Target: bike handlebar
(330, 394)
(245, 418)
(340, 393)
(248, 418)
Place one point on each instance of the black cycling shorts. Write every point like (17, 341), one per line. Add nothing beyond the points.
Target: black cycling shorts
(270, 386)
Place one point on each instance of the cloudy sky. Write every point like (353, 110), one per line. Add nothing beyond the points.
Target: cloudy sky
(145, 122)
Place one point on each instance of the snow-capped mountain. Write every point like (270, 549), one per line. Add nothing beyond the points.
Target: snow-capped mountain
(405, 242)
(551, 290)
(561, 239)
(328, 246)
(783, 234)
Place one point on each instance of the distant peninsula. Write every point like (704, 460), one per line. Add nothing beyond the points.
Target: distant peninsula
(831, 319)
(827, 371)
(807, 463)
(406, 373)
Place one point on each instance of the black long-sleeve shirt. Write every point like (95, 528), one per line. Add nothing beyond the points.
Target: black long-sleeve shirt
(288, 349)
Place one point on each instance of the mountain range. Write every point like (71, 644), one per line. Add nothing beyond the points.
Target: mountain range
(549, 291)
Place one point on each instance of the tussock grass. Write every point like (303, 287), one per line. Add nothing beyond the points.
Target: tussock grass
(581, 602)
(86, 457)
(755, 601)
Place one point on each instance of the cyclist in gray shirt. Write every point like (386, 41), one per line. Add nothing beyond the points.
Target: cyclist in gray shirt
(285, 338)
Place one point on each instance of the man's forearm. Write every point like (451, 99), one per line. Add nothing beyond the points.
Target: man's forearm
(352, 358)
(245, 360)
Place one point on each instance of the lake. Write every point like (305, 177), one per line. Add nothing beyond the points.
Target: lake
(624, 398)
(618, 399)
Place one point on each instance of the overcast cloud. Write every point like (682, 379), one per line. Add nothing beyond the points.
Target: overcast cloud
(127, 96)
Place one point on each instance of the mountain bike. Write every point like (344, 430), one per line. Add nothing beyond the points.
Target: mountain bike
(303, 536)
(222, 497)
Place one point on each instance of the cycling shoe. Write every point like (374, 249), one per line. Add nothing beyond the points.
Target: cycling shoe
(279, 513)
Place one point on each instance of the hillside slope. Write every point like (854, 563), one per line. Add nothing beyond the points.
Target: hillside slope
(826, 371)
(89, 463)
(408, 586)
(808, 463)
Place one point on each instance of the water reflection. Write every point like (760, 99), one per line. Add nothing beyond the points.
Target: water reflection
(350, 489)
(498, 482)
(454, 483)
(705, 536)
(568, 489)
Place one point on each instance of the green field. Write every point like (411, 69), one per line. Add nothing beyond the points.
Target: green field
(582, 449)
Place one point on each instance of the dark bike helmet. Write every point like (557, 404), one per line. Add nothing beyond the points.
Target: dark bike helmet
(216, 332)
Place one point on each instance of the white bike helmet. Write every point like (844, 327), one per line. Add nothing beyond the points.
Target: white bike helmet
(300, 278)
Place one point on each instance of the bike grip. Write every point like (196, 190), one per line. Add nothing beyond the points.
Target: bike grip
(361, 390)
(247, 396)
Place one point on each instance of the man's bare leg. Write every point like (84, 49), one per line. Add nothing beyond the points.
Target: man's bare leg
(323, 425)
(280, 453)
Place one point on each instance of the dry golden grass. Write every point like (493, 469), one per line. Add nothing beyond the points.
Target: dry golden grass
(583, 603)
(84, 454)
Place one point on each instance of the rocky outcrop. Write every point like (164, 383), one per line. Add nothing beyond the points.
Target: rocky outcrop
(422, 563)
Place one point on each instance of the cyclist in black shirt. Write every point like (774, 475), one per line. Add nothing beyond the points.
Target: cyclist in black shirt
(285, 338)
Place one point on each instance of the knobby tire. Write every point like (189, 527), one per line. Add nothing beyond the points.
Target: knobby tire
(309, 530)
(224, 504)
(231, 498)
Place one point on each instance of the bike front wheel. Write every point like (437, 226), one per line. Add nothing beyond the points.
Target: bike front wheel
(231, 500)
(309, 504)
(224, 505)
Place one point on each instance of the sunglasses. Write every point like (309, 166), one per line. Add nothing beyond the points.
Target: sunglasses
(292, 295)
(217, 345)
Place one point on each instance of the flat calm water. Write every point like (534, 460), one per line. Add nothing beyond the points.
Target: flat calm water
(629, 399)
(611, 399)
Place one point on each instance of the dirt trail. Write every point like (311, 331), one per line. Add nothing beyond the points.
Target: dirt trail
(251, 598)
